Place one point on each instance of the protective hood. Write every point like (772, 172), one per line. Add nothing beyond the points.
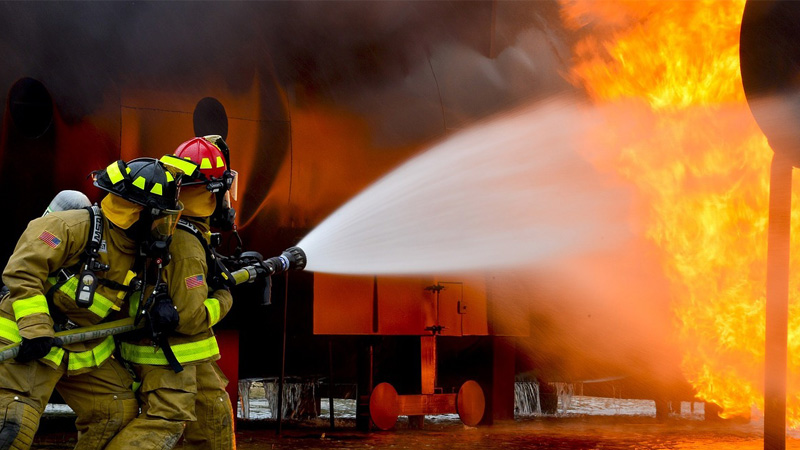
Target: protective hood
(119, 211)
(197, 201)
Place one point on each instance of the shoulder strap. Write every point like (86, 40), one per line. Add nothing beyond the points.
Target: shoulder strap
(187, 226)
(96, 233)
(216, 270)
(88, 281)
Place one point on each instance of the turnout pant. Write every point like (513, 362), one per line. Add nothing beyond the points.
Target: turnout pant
(101, 398)
(213, 429)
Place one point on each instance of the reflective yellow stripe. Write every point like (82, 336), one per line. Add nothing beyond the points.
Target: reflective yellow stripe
(186, 166)
(220, 162)
(205, 163)
(139, 182)
(113, 172)
(188, 352)
(157, 189)
(9, 330)
(55, 356)
(133, 307)
(93, 357)
(32, 305)
(128, 277)
(212, 305)
(101, 306)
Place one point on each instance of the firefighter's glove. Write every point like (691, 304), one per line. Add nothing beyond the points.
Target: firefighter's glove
(30, 349)
(163, 316)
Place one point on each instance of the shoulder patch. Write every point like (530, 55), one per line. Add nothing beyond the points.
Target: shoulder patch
(49, 239)
(195, 281)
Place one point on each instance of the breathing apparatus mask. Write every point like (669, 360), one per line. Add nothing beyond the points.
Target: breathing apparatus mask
(162, 223)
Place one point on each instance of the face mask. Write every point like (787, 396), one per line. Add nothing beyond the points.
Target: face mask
(163, 225)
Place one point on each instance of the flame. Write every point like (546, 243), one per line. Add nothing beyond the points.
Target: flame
(668, 72)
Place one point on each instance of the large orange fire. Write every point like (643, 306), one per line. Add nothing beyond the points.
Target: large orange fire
(701, 166)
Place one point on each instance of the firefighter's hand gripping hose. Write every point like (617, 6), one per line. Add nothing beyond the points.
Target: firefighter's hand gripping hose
(34, 348)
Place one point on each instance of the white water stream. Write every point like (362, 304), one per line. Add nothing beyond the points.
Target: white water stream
(504, 192)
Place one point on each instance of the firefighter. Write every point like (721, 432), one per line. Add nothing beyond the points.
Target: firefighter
(72, 269)
(195, 397)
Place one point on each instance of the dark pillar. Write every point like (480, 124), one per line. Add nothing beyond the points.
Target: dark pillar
(780, 208)
(365, 363)
(498, 384)
(503, 374)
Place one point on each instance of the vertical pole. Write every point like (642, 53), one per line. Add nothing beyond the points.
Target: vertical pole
(365, 381)
(375, 317)
(283, 352)
(778, 243)
(330, 381)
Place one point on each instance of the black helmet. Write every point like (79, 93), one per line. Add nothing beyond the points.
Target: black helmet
(144, 181)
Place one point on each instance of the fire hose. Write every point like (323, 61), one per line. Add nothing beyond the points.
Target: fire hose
(78, 335)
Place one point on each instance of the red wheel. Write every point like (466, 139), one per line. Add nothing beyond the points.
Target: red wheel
(383, 406)
(470, 403)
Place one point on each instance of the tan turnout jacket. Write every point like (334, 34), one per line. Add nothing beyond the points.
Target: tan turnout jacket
(49, 244)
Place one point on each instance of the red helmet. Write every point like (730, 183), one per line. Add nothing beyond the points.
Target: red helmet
(204, 160)
(203, 152)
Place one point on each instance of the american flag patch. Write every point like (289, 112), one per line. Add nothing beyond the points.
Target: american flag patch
(194, 281)
(49, 239)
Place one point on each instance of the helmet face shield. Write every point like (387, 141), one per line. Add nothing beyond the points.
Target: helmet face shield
(163, 226)
(233, 186)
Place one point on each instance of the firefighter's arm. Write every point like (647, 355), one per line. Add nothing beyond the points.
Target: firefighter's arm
(198, 311)
(45, 246)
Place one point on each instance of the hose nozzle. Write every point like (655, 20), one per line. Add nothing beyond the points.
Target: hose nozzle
(252, 267)
(293, 258)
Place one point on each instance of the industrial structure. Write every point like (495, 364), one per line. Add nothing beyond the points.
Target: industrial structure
(314, 109)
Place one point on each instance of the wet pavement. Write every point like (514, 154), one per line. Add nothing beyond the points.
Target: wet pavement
(608, 433)
(581, 423)
(582, 433)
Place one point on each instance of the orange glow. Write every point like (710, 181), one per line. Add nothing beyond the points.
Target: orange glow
(332, 158)
(701, 167)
